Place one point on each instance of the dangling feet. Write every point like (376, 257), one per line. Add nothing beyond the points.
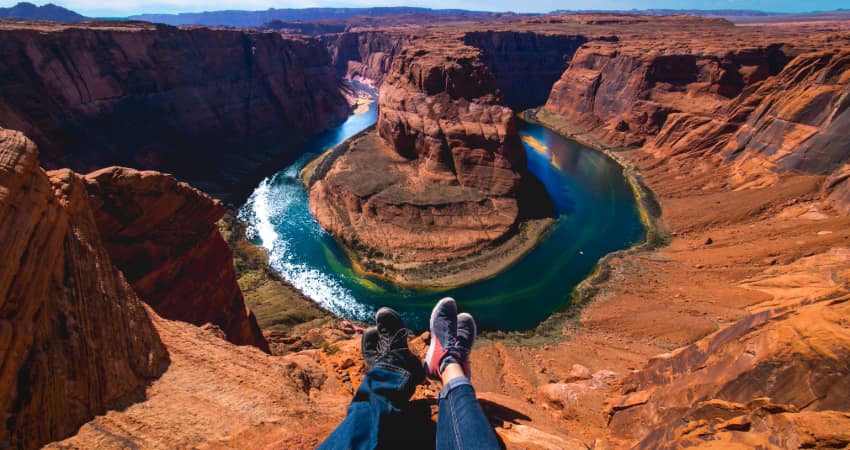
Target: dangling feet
(452, 337)
(386, 343)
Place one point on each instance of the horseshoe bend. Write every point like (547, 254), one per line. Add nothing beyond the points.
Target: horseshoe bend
(441, 178)
(648, 215)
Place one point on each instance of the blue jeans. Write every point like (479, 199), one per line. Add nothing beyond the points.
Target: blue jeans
(379, 416)
(461, 423)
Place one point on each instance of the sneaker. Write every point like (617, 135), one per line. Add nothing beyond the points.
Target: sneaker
(466, 332)
(445, 346)
(386, 343)
(369, 345)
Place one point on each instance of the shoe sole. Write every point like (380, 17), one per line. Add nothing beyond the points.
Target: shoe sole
(430, 353)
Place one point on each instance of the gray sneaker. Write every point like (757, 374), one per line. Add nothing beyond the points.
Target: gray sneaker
(449, 343)
(466, 333)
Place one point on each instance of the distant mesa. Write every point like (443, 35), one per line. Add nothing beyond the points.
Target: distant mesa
(252, 19)
(29, 11)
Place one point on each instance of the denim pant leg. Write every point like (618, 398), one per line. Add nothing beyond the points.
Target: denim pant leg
(382, 394)
(461, 423)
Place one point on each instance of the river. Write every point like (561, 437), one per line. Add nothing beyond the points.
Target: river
(596, 210)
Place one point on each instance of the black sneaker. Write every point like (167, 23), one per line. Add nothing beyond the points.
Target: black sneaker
(369, 345)
(387, 344)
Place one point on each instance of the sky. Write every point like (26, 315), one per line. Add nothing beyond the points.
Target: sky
(116, 8)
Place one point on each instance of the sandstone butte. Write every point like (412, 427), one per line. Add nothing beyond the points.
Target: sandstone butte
(732, 334)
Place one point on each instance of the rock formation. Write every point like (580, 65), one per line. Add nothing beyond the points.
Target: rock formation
(779, 374)
(75, 338)
(364, 55)
(622, 93)
(801, 117)
(162, 234)
(441, 177)
(838, 189)
(765, 109)
(163, 98)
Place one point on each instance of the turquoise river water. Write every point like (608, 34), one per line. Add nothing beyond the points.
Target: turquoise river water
(594, 203)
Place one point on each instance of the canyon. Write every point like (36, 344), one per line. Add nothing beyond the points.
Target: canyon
(727, 329)
(190, 95)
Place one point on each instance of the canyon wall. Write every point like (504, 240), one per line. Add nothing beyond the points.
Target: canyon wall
(623, 93)
(216, 108)
(795, 120)
(801, 119)
(162, 235)
(525, 64)
(75, 337)
(364, 55)
(764, 110)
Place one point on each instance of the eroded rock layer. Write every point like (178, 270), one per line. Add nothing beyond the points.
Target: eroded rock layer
(765, 109)
(778, 374)
(623, 92)
(440, 178)
(441, 107)
(75, 339)
(162, 234)
(213, 107)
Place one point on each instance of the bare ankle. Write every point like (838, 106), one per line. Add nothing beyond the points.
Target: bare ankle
(451, 371)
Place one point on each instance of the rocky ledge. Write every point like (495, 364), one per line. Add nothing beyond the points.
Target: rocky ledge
(438, 193)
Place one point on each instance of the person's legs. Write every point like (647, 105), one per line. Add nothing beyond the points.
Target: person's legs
(461, 423)
(392, 377)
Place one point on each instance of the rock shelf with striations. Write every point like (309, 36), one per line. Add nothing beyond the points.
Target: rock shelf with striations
(441, 178)
(75, 337)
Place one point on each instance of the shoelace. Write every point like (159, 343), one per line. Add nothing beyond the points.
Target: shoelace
(456, 350)
(385, 343)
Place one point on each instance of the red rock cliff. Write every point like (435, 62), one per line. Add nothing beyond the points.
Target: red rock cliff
(763, 110)
(364, 55)
(162, 234)
(623, 92)
(75, 339)
(441, 106)
(213, 107)
(778, 375)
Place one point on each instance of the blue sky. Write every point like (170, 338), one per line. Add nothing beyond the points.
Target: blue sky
(127, 7)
